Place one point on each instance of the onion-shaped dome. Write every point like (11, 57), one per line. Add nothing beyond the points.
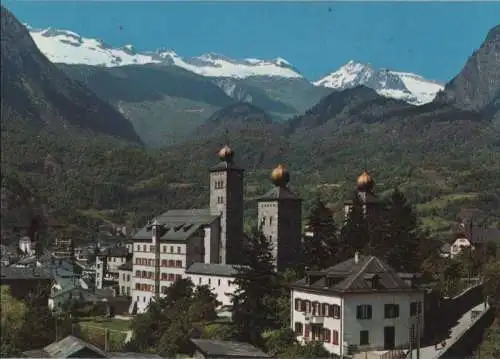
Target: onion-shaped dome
(280, 176)
(226, 153)
(365, 182)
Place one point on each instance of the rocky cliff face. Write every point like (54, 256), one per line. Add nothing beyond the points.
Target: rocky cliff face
(477, 86)
(34, 89)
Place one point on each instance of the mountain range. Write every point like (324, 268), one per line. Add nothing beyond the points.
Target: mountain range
(275, 85)
(68, 136)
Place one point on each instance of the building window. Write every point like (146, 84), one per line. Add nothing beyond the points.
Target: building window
(128, 291)
(171, 249)
(179, 250)
(335, 337)
(199, 280)
(327, 335)
(335, 311)
(391, 311)
(299, 328)
(178, 277)
(364, 311)
(164, 249)
(218, 283)
(415, 308)
(271, 220)
(178, 264)
(209, 281)
(364, 337)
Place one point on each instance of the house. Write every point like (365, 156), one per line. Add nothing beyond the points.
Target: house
(125, 279)
(107, 262)
(73, 347)
(357, 305)
(469, 235)
(218, 277)
(23, 281)
(205, 349)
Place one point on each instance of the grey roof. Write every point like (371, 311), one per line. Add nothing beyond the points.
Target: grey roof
(85, 294)
(221, 270)
(180, 224)
(126, 266)
(25, 273)
(70, 345)
(228, 349)
(223, 166)
(279, 193)
(351, 276)
(114, 252)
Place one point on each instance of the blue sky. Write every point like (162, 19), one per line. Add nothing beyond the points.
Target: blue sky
(431, 39)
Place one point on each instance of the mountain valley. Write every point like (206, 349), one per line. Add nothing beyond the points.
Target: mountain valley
(444, 153)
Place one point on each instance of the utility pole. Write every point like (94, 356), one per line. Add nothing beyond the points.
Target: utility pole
(106, 339)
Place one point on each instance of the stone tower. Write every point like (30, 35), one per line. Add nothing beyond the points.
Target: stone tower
(226, 200)
(364, 192)
(280, 219)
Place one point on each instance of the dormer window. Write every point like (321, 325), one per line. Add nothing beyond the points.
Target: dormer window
(372, 280)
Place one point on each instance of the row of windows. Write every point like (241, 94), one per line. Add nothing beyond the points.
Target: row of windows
(163, 263)
(126, 276)
(125, 291)
(317, 333)
(151, 287)
(218, 282)
(318, 309)
(326, 335)
(151, 248)
(263, 221)
(218, 184)
(363, 311)
(150, 275)
(220, 199)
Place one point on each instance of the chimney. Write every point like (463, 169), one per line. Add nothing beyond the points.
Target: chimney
(356, 257)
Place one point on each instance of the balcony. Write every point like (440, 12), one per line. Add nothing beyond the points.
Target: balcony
(314, 319)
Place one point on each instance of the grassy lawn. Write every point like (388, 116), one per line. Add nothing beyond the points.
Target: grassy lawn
(115, 324)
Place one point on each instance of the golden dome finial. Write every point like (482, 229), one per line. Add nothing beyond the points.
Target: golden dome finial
(280, 176)
(365, 182)
(226, 153)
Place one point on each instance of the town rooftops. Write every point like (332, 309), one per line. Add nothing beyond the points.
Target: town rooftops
(65, 348)
(126, 266)
(227, 349)
(361, 274)
(10, 273)
(279, 193)
(213, 269)
(117, 251)
(179, 224)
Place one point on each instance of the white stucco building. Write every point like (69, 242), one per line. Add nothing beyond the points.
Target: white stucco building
(358, 305)
(107, 262)
(125, 279)
(218, 277)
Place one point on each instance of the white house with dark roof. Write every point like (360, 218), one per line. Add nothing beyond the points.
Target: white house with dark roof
(107, 262)
(357, 305)
(125, 279)
(219, 277)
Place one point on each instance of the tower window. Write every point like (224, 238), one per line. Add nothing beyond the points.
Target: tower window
(271, 220)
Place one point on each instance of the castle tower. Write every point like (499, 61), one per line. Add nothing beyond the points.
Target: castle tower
(364, 192)
(226, 200)
(280, 219)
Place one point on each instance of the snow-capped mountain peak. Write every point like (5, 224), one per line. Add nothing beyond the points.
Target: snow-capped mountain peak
(64, 46)
(408, 87)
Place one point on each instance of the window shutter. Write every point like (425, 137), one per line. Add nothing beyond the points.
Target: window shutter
(359, 312)
(327, 335)
(369, 307)
(297, 304)
(306, 331)
(335, 337)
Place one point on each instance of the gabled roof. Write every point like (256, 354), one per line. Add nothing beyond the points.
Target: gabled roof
(353, 276)
(64, 349)
(279, 193)
(228, 349)
(180, 224)
(117, 251)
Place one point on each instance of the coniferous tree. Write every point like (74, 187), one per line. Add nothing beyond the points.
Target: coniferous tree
(253, 302)
(355, 234)
(323, 248)
(403, 237)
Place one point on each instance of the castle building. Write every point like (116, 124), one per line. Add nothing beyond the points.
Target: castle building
(363, 192)
(280, 219)
(226, 201)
